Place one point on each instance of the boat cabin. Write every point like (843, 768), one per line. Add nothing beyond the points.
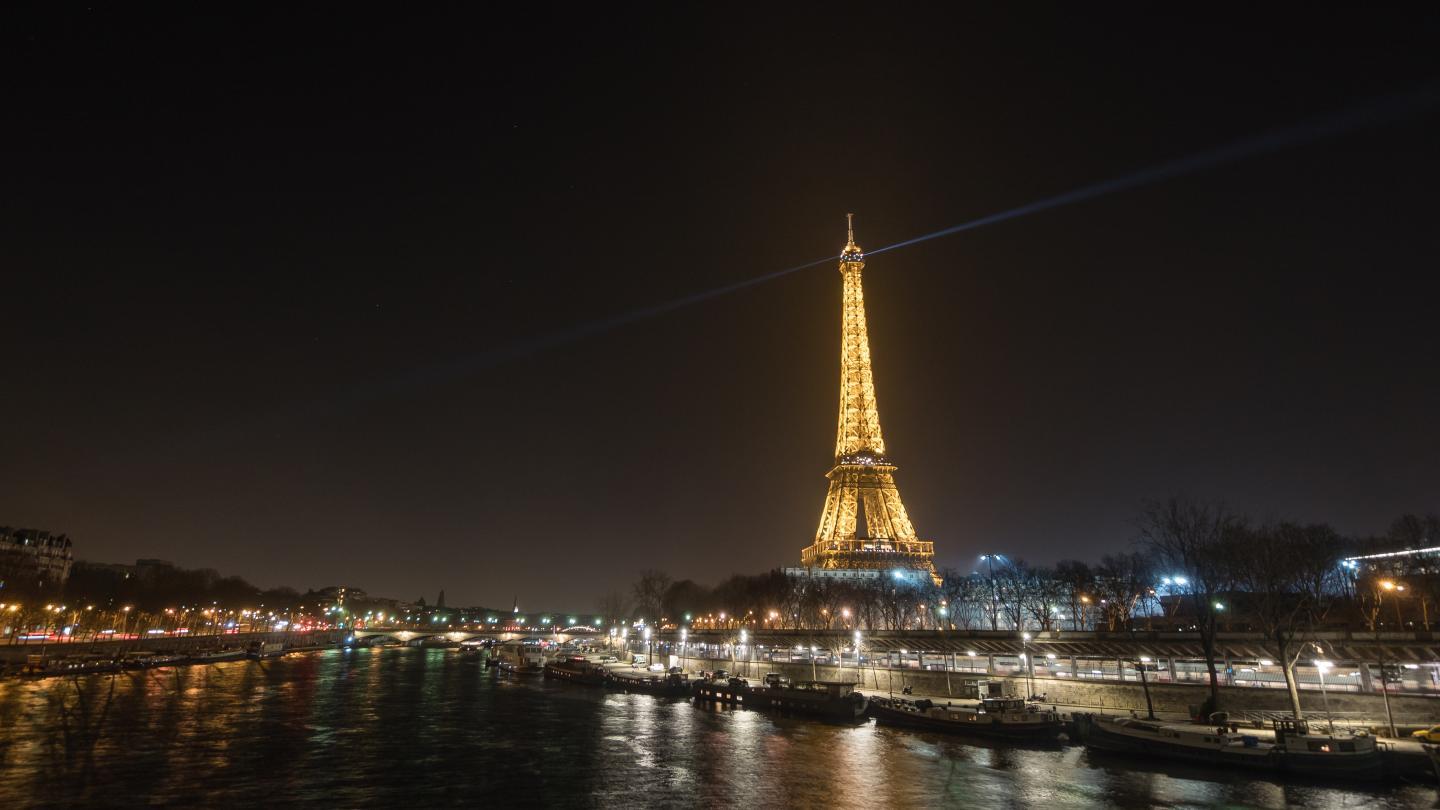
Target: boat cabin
(1294, 735)
(832, 689)
(1000, 705)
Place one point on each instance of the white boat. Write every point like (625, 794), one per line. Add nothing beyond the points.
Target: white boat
(521, 659)
(265, 649)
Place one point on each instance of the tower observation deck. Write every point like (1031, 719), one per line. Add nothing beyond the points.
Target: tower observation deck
(862, 482)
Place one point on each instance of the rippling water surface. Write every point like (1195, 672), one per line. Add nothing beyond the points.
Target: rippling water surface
(424, 728)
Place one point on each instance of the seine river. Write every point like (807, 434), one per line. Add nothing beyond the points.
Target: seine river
(432, 728)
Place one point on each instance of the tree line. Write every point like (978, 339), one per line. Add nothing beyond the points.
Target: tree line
(1193, 566)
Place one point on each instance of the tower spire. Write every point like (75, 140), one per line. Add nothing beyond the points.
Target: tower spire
(852, 252)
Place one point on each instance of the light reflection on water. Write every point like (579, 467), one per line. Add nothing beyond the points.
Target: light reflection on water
(421, 728)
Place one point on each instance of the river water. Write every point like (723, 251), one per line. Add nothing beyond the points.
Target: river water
(434, 728)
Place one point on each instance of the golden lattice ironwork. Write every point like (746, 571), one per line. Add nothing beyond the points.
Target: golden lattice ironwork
(862, 478)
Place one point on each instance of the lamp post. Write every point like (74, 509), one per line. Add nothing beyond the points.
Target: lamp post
(649, 649)
(683, 635)
(1385, 691)
(1320, 667)
(857, 657)
(994, 593)
(1145, 685)
(1029, 665)
(743, 636)
(1397, 589)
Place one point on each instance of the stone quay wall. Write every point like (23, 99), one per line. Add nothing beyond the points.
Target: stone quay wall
(16, 653)
(1410, 711)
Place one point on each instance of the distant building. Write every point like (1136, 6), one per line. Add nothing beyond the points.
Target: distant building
(116, 569)
(35, 553)
(1402, 562)
(910, 576)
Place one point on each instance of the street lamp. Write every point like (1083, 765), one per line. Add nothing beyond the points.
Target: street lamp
(1145, 685)
(1029, 665)
(994, 592)
(857, 657)
(1320, 667)
(1391, 586)
(744, 635)
(649, 649)
(683, 635)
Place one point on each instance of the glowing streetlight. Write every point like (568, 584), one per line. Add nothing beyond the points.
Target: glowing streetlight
(1029, 664)
(994, 592)
(1321, 667)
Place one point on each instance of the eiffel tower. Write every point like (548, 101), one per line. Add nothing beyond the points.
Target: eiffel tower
(863, 479)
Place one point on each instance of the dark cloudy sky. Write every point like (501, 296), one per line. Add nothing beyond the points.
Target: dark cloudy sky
(281, 293)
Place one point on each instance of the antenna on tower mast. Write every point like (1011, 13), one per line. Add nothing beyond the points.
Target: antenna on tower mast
(850, 228)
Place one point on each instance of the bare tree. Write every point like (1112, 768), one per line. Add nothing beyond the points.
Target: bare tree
(1121, 582)
(1046, 596)
(649, 592)
(1077, 582)
(684, 597)
(1190, 539)
(966, 596)
(832, 599)
(614, 606)
(1013, 581)
(1289, 571)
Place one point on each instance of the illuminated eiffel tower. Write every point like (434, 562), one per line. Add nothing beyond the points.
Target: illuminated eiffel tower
(863, 479)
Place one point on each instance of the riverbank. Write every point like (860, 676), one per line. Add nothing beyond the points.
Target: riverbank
(1410, 712)
(78, 657)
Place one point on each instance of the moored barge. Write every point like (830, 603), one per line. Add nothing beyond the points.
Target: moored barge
(835, 700)
(576, 669)
(1000, 717)
(674, 684)
(1295, 749)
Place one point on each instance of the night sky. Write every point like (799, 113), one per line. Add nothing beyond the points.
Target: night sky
(312, 297)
